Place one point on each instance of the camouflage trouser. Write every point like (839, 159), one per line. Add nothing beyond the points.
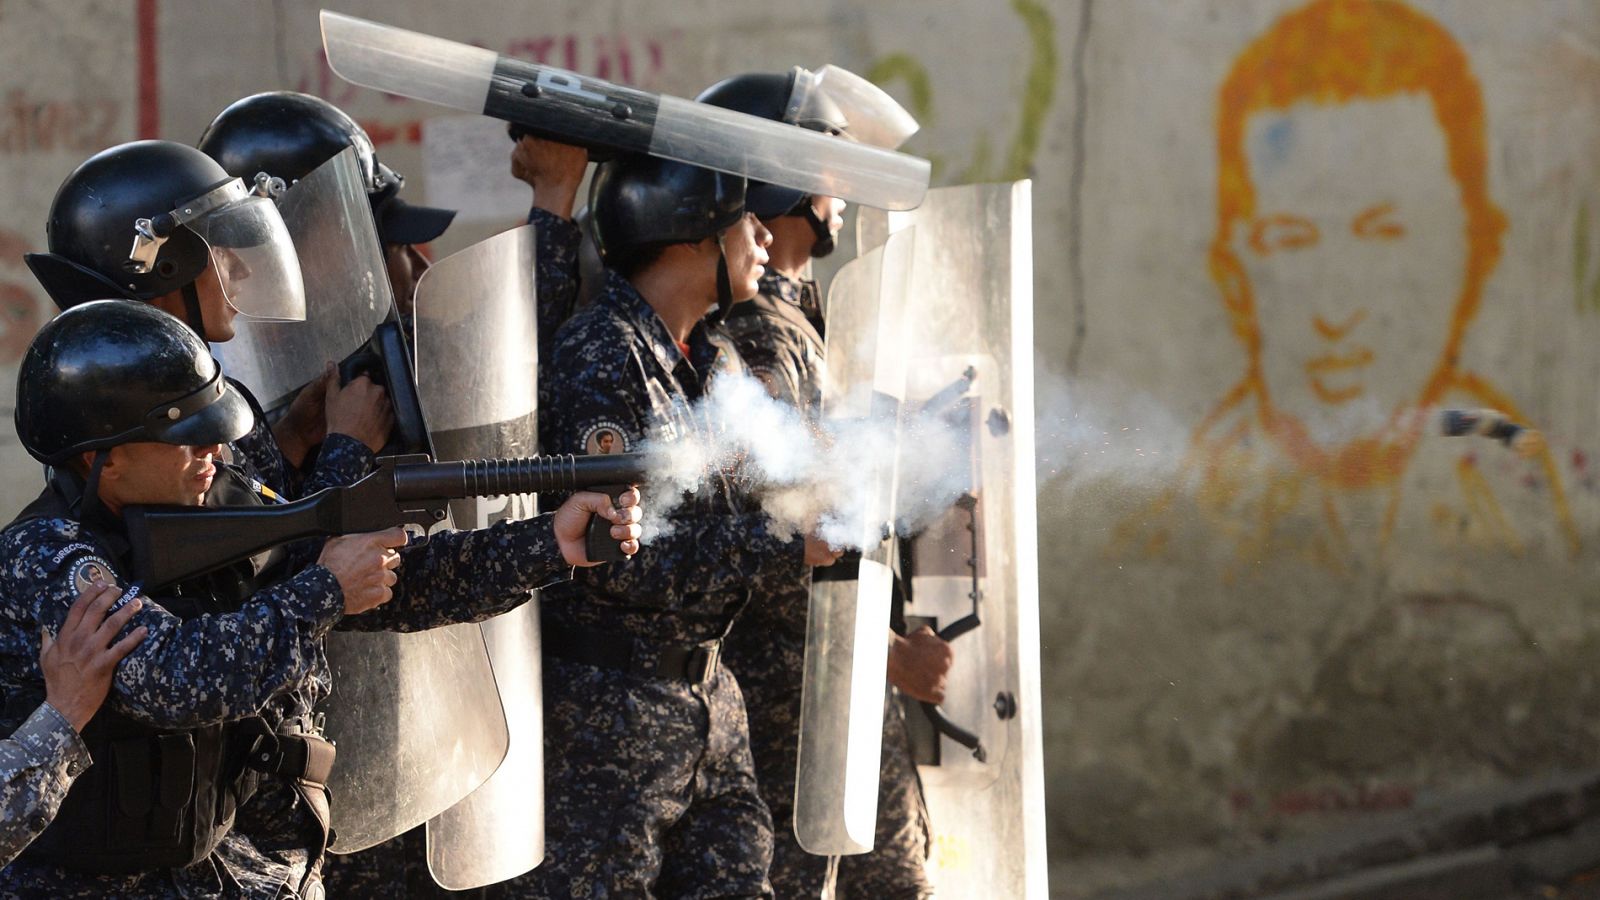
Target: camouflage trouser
(396, 869)
(649, 790)
(893, 869)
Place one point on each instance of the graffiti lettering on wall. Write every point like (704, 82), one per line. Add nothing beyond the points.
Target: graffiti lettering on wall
(1361, 797)
(36, 125)
(1038, 98)
(614, 57)
(1354, 235)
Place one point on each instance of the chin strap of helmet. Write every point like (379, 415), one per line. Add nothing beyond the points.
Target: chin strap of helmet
(191, 310)
(90, 501)
(825, 242)
(719, 313)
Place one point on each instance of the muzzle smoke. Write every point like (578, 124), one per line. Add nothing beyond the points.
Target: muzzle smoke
(832, 478)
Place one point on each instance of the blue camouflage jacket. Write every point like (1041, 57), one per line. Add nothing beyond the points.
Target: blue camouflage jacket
(614, 377)
(37, 765)
(267, 658)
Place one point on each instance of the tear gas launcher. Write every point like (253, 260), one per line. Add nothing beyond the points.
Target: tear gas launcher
(172, 543)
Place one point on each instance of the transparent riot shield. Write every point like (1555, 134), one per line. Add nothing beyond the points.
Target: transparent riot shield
(418, 723)
(847, 626)
(347, 286)
(972, 566)
(466, 737)
(476, 372)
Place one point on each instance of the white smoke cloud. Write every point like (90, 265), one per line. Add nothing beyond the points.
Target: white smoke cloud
(828, 478)
(1097, 432)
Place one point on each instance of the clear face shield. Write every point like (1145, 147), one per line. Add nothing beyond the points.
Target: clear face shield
(250, 248)
(871, 116)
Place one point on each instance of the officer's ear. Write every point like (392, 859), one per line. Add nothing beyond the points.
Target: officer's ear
(115, 468)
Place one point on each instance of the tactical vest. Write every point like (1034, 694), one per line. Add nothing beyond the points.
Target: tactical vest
(155, 798)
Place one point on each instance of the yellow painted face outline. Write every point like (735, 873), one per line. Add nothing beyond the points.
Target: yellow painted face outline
(1332, 52)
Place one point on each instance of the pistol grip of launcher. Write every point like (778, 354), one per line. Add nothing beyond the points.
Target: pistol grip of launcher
(599, 545)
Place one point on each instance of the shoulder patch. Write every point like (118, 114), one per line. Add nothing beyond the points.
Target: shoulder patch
(89, 571)
(605, 437)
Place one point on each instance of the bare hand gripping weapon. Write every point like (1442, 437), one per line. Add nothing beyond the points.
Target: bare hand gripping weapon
(172, 543)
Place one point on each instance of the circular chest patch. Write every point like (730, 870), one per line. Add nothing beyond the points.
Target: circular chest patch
(606, 437)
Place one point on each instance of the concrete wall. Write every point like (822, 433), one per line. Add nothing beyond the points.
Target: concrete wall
(1295, 607)
(1272, 606)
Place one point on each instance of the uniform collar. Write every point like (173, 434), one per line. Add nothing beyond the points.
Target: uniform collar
(800, 293)
(628, 301)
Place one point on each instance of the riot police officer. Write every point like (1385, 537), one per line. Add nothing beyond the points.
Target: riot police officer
(780, 335)
(287, 135)
(203, 244)
(127, 406)
(648, 772)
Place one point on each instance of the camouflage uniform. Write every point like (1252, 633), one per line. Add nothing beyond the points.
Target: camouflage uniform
(779, 335)
(556, 275)
(186, 673)
(266, 659)
(650, 789)
(37, 765)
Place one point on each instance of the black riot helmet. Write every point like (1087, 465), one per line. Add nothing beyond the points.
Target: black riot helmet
(107, 372)
(767, 95)
(830, 100)
(644, 201)
(141, 220)
(641, 203)
(288, 135)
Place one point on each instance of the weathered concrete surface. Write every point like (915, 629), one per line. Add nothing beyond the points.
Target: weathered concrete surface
(1284, 636)
(1303, 620)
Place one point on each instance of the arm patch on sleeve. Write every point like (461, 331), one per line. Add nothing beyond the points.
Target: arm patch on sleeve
(88, 571)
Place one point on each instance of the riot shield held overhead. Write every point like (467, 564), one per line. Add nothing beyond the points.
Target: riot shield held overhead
(476, 369)
(601, 115)
(847, 625)
(972, 567)
(346, 285)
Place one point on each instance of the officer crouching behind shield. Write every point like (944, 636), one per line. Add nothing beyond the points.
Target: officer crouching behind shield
(649, 783)
(203, 244)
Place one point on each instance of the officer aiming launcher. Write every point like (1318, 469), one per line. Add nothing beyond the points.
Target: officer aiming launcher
(173, 543)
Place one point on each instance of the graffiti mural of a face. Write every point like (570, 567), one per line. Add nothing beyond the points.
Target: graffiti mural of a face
(1355, 260)
(1354, 227)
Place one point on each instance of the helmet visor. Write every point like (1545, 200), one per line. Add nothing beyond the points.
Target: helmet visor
(254, 259)
(871, 116)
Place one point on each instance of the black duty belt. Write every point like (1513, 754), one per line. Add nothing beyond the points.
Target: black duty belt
(693, 663)
(298, 757)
